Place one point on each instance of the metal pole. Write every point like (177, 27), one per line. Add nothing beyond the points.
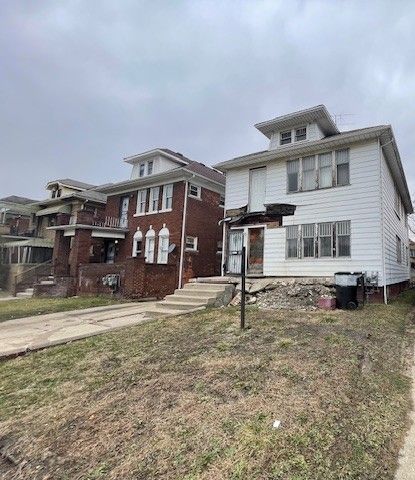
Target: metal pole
(243, 278)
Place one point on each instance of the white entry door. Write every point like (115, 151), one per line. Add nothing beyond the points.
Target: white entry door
(257, 178)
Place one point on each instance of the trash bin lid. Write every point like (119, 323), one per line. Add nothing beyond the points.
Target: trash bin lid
(347, 279)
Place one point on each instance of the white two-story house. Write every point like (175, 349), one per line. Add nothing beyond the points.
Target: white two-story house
(319, 201)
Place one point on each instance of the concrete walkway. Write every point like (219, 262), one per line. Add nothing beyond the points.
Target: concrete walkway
(406, 468)
(32, 333)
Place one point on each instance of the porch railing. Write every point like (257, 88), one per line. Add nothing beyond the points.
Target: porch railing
(33, 274)
(111, 222)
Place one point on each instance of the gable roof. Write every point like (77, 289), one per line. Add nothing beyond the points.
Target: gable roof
(17, 199)
(70, 182)
(318, 114)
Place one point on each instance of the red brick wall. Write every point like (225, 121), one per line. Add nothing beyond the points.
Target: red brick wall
(203, 218)
(90, 278)
(61, 250)
(80, 250)
(202, 222)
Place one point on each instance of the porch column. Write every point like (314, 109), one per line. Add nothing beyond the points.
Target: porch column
(61, 251)
(80, 250)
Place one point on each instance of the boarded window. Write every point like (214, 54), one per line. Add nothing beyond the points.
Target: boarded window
(293, 170)
(325, 239)
(292, 241)
(343, 239)
(308, 235)
(325, 170)
(342, 167)
(309, 173)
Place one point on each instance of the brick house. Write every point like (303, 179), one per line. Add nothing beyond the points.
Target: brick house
(159, 229)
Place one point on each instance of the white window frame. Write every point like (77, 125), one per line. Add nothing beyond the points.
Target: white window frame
(296, 135)
(198, 194)
(163, 245)
(194, 241)
(337, 228)
(222, 201)
(283, 141)
(137, 239)
(150, 245)
(142, 169)
(141, 202)
(150, 170)
(167, 201)
(321, 233)
(154, 199)
(292, 233)
(398, 249)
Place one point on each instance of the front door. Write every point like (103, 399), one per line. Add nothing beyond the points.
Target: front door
(110, 252)
(124, 211)
(255, 251)
(236, 241)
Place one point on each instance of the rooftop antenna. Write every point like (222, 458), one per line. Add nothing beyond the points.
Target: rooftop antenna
(340, 119)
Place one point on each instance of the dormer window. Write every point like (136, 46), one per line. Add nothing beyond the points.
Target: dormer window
(150, 167)
(285, 137)
(142, 169)
(300, 134)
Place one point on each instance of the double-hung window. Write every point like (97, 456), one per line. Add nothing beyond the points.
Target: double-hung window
(141, 201)
(325, 176)
(154, 199)
(342, 167)
(309, 173)
(194, 190)
(167, 197)
(325, 239)
(300, 134)
(308, 235)
(150, 165)
(293, 175)
(285, 137)
(191, 243)
(142, 169)
(292, 241)
(343, 239)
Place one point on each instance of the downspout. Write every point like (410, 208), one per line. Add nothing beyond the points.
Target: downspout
(385, 291)
(182, 243)
(222, 272)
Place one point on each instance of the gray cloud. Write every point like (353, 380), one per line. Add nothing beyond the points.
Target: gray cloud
(84, 83)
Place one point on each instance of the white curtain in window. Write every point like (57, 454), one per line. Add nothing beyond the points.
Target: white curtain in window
(167, 197)
(309, 174)
(163, 250)
(150, 244)
(325, 170)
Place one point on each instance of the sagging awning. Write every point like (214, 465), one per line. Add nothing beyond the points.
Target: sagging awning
(54, 209)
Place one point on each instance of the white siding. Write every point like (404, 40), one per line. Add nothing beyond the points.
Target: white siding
(392, 226)
(359, 202)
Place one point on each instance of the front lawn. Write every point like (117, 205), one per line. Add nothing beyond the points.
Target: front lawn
(10, 309)
(192, 397)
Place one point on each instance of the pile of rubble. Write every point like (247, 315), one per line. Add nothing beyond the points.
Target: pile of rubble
(296, 293)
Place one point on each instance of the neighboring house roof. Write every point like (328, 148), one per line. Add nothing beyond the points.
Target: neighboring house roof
(187, 168)
(382, 132)
(318, 114)
(86, 195)
(69, 182)
(17, 199)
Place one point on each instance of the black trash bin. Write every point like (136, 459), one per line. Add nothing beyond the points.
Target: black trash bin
(346, 289)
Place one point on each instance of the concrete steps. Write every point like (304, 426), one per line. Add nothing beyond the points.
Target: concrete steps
(194, 296)
(27, 293)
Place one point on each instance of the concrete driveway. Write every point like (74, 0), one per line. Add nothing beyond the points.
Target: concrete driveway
(32, 333)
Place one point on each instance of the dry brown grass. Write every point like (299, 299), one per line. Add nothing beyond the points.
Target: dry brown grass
(194, 398)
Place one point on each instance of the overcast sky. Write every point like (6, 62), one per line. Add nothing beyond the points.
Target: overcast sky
(85, 83)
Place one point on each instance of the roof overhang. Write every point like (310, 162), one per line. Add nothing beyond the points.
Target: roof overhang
(55, 209)
(139, 157)
(318, 114)
(29, 242)
(96, 231)
(170, 176)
